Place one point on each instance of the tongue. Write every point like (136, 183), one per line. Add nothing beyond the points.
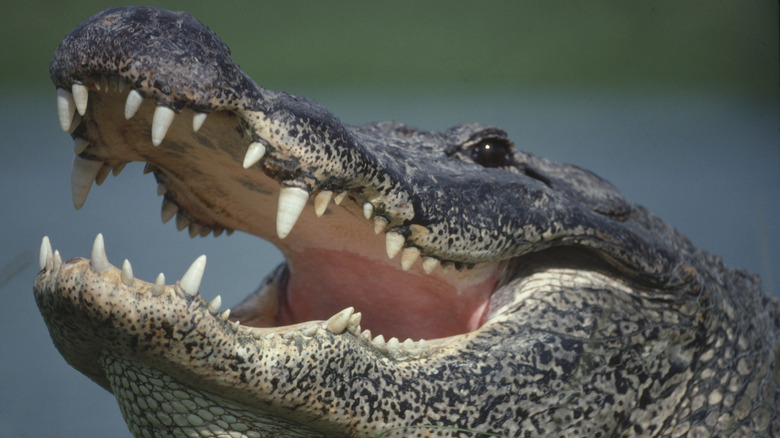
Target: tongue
(394, 303)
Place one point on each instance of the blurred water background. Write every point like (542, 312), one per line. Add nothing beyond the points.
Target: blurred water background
(675, 103)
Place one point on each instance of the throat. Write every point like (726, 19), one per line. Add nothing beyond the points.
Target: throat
(394, 303)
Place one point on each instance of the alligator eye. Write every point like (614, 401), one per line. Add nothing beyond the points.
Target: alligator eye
(491, 153)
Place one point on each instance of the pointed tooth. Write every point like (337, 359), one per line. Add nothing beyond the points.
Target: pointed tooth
(148, 168)
(122, 84)
(79, 145)
(408, 257)
(365, 335)
(394, 243)
(163, 117)
(134, 101)
(368, 210)
(429, 264)
(422, 343)
(99, 260)
(114, 83)
(291, 203)
(234, 325)
(80, 96)
(57, 260)
(339, 197)
(102, 174)
(74, 124)
(218, 231)
(45, 257)
(379, 224)
(105, 82)
(190, 281)
(215, 304)
(408, 344)
(127, 273)
(159, 285)
(393, 344)
(254, 153)
(118, 168)
(321, 202)
(169, 210)
(338, 322)
(161, 189)
(379, 341)
(194, 229)
(82, 174)
(225, 315)
(65, 108)
(354, 322)
(181, 221)
(197, 121)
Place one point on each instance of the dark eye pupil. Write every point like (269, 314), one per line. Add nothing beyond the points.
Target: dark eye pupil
(490, 153)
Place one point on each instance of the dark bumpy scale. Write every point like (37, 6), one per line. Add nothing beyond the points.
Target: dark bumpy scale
(602, 321)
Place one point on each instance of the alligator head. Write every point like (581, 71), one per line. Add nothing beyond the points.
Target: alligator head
(530, 296)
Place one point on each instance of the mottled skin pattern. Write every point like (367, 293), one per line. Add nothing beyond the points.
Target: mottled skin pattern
(604, 321)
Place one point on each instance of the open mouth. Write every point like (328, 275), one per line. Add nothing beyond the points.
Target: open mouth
(341, 249)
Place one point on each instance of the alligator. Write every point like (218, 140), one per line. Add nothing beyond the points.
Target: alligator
(434, 283)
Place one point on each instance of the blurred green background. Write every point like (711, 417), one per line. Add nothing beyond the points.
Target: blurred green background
(725, 47)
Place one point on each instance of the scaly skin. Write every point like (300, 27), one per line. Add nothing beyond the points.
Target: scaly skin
(570, 311)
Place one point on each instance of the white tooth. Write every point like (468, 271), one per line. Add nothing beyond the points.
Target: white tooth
(127, 273)
(234, 325)
(169, 210)
(134, 101)
(394, 243)
(45, 257)
(310, 330)
(190, 281)
(57, 260)
(291, 203)
(99, 260)
(368, 210)
(339, 197)
(338, 322)
(254, 153)
(80, 96)
(79, 145)
(82, 174)
(393, 344)
(354, 322)
(65, 108)
(408, 344)
(379, 224)
(163, 117)
(74, 124)
(197, 121)
(225, 315)
(408, 257)
(429, 264)
(159, 285)
(321, 202)
(215, 304)
(379, 341)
